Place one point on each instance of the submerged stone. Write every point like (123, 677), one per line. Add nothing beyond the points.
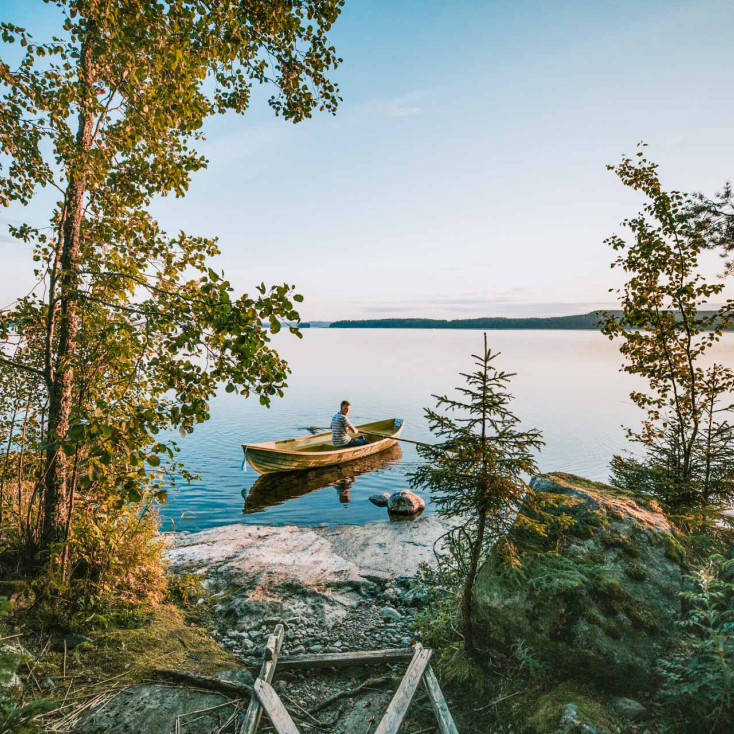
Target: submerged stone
(380, 499)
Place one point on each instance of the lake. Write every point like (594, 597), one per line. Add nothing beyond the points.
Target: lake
(568, 384)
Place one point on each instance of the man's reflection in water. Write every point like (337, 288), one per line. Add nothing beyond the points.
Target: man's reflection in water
(342, 487)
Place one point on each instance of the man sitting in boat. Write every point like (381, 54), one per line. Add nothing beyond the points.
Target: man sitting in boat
(341, 426)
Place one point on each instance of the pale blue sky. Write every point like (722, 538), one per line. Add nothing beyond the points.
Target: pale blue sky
(464, 174)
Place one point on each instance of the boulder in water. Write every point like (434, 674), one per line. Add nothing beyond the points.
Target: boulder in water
(380, 499)
(405, 502)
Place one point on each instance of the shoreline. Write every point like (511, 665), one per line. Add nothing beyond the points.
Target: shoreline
(336, 588)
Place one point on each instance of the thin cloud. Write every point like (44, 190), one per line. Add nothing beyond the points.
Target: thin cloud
(396, 110)
(404, 106)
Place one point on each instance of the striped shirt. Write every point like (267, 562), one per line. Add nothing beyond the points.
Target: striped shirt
(340, 424)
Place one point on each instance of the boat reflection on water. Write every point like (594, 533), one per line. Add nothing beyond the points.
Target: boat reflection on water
(275, 489)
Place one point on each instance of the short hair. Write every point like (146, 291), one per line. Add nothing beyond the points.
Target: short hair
(344, 404)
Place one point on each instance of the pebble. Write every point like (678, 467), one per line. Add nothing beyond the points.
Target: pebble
(388, 613)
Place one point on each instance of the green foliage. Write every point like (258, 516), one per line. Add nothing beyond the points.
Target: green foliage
(186, 589)
(18, 718)
(716, 215)
(698, 679)
(130, 330)
(687, 438)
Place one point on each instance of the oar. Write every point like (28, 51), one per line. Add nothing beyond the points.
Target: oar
(313, 429)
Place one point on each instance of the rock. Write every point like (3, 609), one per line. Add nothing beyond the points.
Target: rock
(154, 709)
(627, 708)
(316, 648)
(298, 650)
(566, 709)
(47, 684)
(237, 675)
(587, 615)
(405, 502)
(571, 723)
(390, 614)
(11, 685)
(380, 499)
(405, 641)
(391, 593)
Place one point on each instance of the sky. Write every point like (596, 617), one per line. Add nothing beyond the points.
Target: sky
(464, 174)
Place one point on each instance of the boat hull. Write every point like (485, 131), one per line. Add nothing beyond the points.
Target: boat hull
(270, 490)
(312, 452)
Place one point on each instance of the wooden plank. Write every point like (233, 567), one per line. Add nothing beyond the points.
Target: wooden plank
(398, 707)
(279, 717)
(337, 659)
(272, 650)
(438, 702)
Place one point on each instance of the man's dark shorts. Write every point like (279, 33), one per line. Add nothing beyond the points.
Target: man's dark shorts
(360, 441)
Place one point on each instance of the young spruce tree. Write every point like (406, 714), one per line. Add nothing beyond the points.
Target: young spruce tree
(476, 474)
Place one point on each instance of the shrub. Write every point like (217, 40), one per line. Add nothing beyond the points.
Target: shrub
(698, 679)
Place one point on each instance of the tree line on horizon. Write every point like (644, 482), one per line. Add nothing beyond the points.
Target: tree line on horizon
(593, 320)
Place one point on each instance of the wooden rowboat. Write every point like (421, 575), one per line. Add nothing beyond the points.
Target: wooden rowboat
(310, 452)
(270, 490)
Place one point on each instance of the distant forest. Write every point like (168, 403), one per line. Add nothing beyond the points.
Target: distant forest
(580, 321)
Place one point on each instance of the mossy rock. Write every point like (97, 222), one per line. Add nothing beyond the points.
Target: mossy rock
(595, 597)
(569, 708)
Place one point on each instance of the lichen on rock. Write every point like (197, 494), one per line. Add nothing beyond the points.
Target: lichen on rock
(595, 594)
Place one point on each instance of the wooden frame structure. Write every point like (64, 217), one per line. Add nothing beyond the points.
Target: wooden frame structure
(266, 699)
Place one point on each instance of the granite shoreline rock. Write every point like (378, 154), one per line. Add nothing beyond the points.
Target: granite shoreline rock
(599, 594)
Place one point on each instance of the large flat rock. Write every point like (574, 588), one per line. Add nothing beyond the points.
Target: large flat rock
(309, 556)
(327, 583)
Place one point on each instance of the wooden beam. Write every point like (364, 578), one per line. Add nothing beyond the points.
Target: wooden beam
(272, 650)
(337, 659)
(398, 707)
(440, 707)
(279, 717)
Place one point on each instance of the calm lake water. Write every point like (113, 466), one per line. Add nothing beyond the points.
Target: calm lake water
(568, 385)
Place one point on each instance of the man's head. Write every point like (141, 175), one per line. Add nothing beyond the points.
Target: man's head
(344, 407)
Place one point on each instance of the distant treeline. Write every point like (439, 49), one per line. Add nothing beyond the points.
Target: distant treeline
(580, 321)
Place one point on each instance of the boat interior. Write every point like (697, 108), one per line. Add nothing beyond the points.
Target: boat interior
(322, 441)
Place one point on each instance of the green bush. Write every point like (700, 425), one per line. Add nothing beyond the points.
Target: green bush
(698, 679)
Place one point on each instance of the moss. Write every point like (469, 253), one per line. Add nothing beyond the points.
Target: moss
(641, 617)
(572, 480)
(163, 640)
(674, 550)
(617, 540)
(635, 571)
(546, 717)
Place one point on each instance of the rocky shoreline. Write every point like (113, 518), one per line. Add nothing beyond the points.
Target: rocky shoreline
(334, 588)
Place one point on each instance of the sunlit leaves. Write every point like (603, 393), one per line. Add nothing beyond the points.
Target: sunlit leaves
(160, 329)
(664, 333)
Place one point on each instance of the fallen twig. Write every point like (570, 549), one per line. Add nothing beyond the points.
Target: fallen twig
(10, 637)
(352, 691)
(318, 723)
(199, 681)
(499, 700)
